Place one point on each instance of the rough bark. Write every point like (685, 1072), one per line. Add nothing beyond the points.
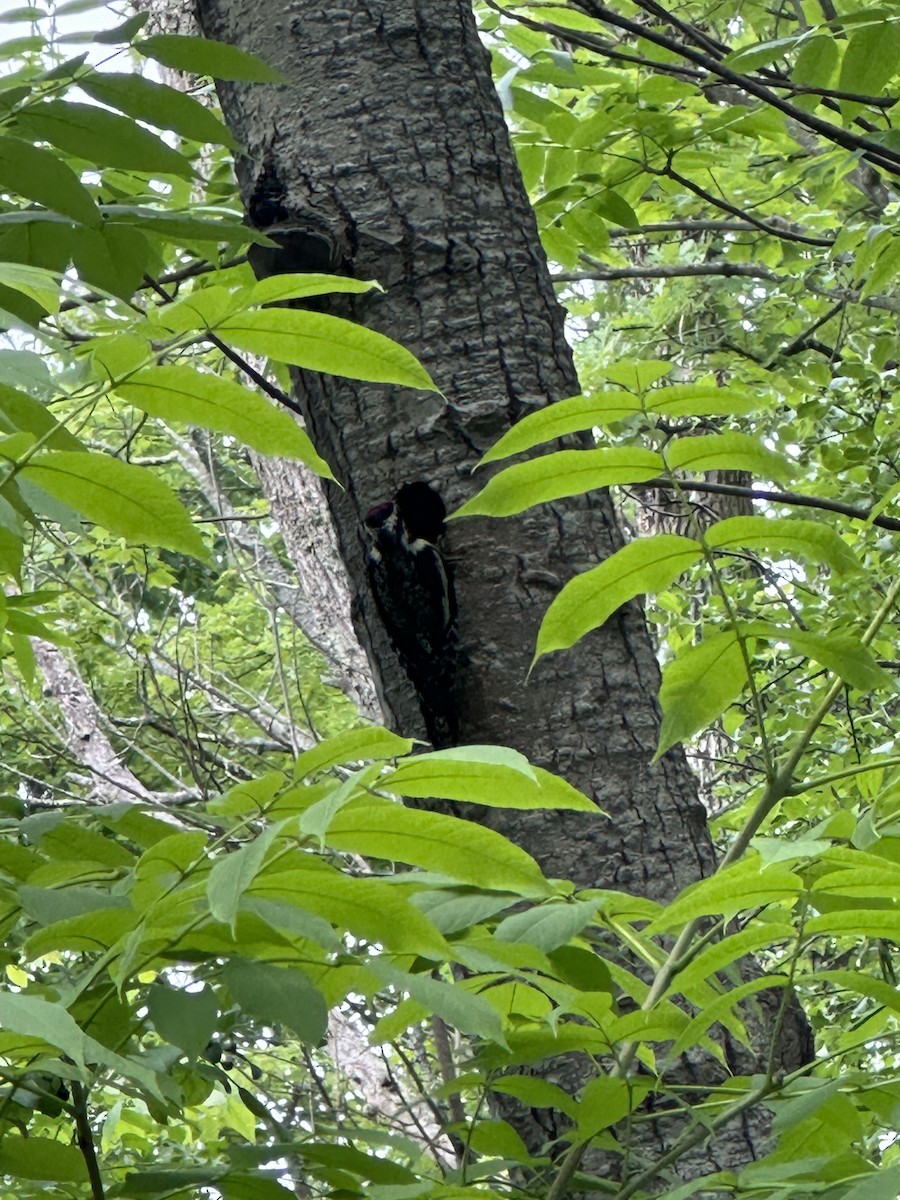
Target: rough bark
(389, 138)
(322, 605)
(82, 730)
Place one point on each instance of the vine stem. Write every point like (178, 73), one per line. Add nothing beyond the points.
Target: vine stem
(779, 786)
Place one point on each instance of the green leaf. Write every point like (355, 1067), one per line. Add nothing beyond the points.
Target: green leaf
(485, 775)
(251, 796)
(25, 13)
(356, 745)
(319, 342)
(366, 908)
(21, 411)
(548, 926)
(535, 1093)
(564, 473)
(453, 1003)
(884, 1184)
(637, 375)
(39, 175)
(453, 847)
(187, 1019)
(295, 921)
(727, 452)
(867, 882)
(114, 258)
(315, 821)
(562, 418)
(728, 950)
(41, 1158)
(495, 1139)
(122, 33)
(615, 208)
(87, 933)
(605, 1101)
(727, 892)
(128, 501)
(163, 1184)
(453, 909)
(749, 58)
(698, 686)
(179, 227)
(119, 355)
(157, 104)
(841, 653)
(864, 985)
(856, 923)
(298, 287)
(870, 59)
(102, 137)
(700, 400)
(200, 309)
(182, 394)
(817, 63)
(811, 540)
(886, 266)
(356, 1162)
(203, 56)
(233, 873)
(42, 286)
(589, 600)
(719, 1010)
(278, 996)
(36, 1018)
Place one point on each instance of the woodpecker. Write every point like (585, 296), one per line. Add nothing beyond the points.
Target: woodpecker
(413, 590)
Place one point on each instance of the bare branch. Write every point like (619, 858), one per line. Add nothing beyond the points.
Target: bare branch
(670, 271)
(856, 512)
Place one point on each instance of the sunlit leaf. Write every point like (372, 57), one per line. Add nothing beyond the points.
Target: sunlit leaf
(565, 473)
(182, 394)
(455, 848)
(698, 686)
(727, 452)
(811, 540)
(128, 501)
(589, 600)
(320, 342)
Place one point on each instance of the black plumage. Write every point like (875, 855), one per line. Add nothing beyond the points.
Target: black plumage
(413, 590)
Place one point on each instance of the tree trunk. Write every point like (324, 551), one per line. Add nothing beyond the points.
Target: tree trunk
(389, 139)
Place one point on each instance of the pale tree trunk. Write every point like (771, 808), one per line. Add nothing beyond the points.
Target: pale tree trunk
(83, 731)
(317, 597)
(389, 139)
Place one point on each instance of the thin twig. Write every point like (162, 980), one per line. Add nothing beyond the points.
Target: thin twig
(882, 155)
(856, 512)
(239, 361)
(670, 271)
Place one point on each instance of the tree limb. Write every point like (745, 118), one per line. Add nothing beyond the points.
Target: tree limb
(856, 512)
(670, 271)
